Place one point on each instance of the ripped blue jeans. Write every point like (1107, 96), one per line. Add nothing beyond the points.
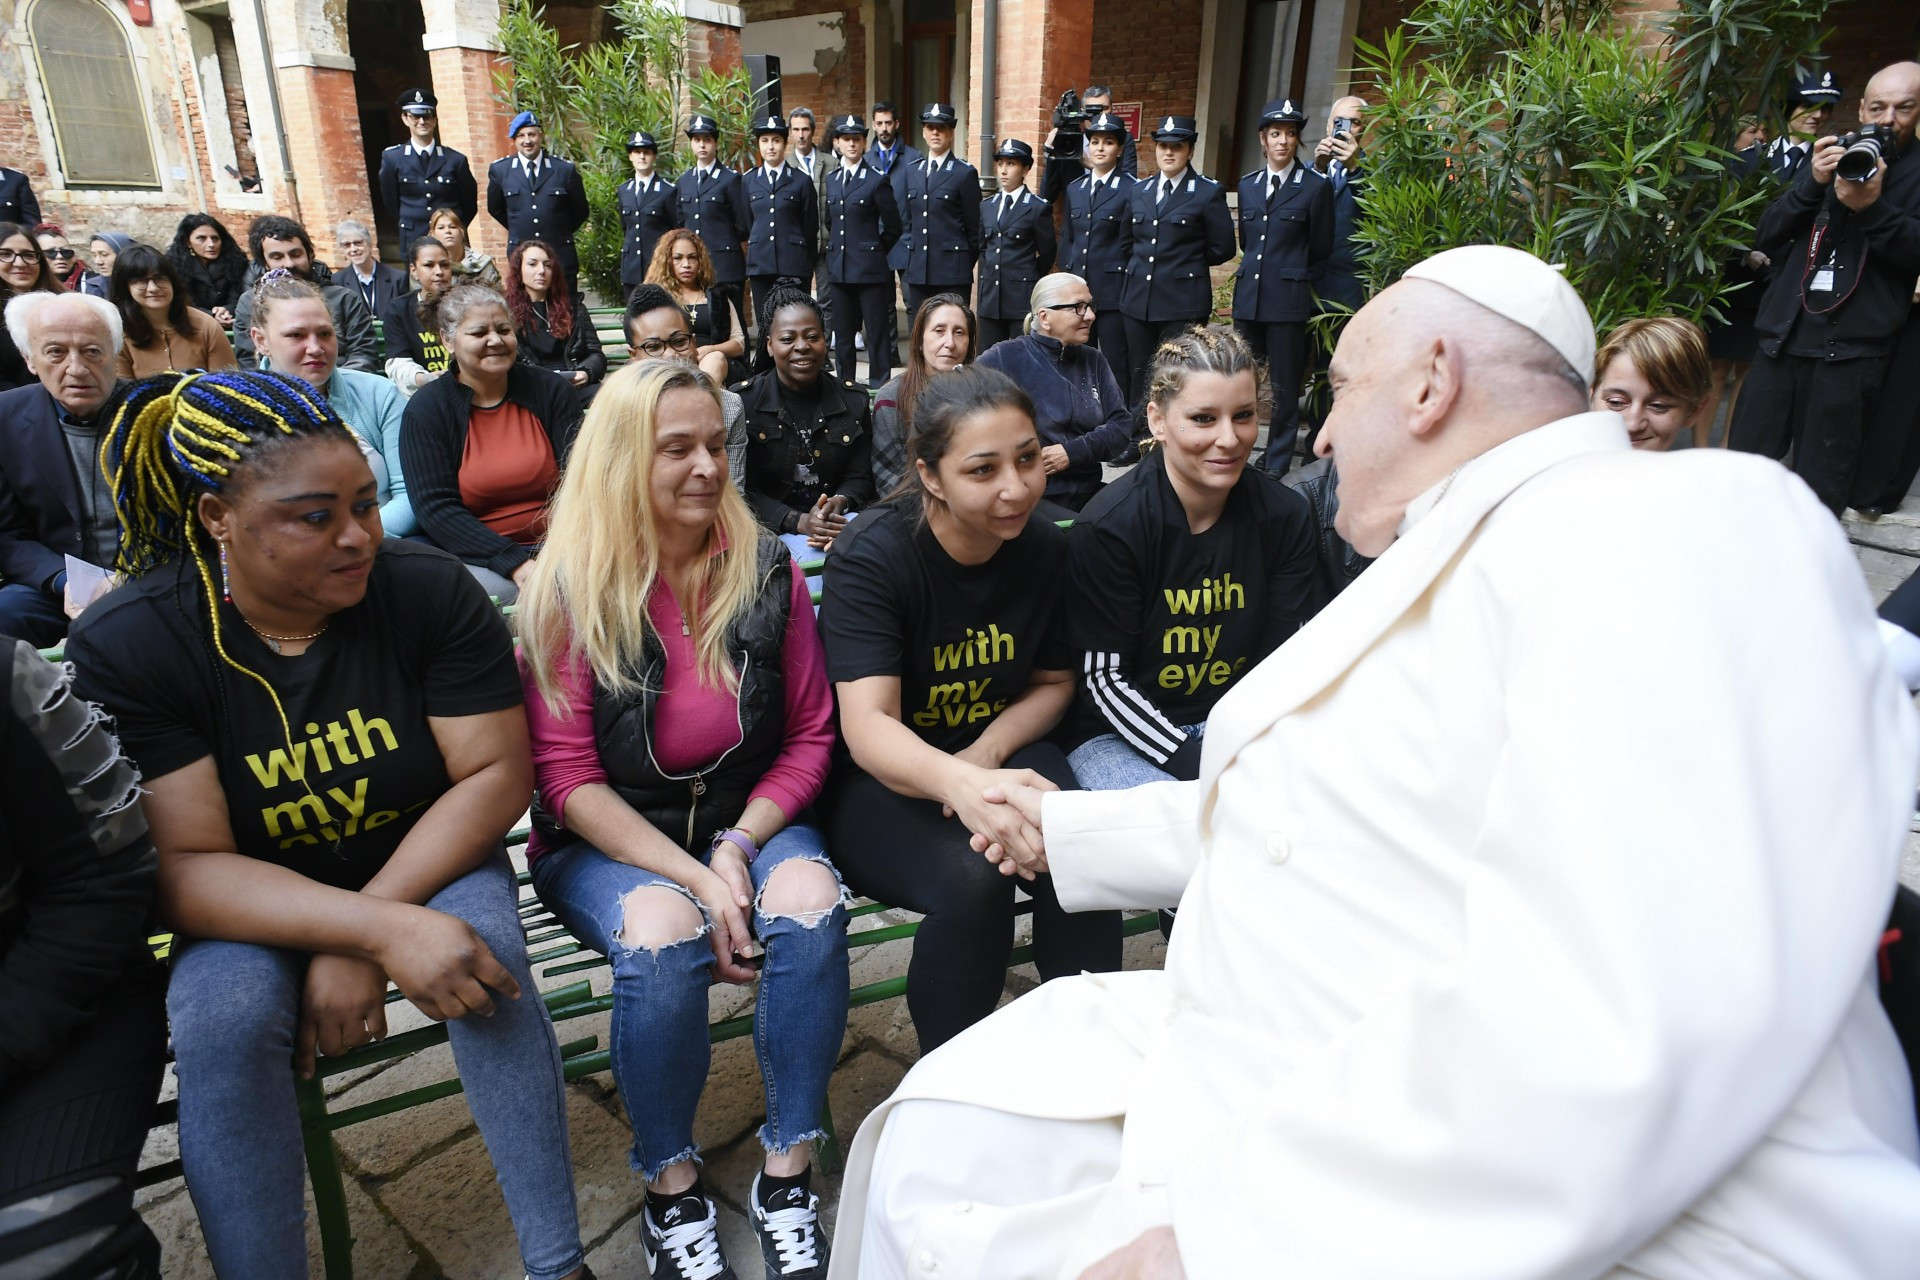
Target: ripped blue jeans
(660, 1048)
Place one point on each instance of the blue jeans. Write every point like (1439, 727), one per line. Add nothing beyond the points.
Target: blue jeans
(660, 1047)
(234, 1008)
(1109, 762)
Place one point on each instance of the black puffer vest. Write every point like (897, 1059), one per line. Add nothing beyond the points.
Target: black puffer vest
(689, 808)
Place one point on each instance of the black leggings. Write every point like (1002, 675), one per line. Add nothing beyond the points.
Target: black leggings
(901, 852)
(70, 1135)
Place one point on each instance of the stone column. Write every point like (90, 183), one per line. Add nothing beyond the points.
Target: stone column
(314, 72)
(463, 48)
(1045, 47)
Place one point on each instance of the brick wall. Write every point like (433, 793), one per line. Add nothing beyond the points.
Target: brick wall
(1149, 51)
(1044, 48)
(326, 153)
(1867, 35)
(473, 123)
(238, 118)
(842, 87)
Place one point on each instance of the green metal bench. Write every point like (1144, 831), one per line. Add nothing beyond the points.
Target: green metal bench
(553, 952)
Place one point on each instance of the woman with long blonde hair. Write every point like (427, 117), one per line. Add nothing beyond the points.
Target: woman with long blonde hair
(681, 728)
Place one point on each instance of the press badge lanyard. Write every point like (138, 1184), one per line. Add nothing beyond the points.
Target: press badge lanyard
(1820, 279)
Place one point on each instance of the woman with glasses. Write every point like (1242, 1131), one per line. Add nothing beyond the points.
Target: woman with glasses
(681, 267)
(1078, 406)
(23, 269)
(162, 331)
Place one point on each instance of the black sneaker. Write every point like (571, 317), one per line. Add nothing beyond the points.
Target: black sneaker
(684, 1244)
(792, 1242)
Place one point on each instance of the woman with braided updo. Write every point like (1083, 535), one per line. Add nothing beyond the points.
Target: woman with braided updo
(333, 745)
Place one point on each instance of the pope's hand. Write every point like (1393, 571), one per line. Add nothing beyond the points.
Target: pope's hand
(1024, 859)
(1153, 1255)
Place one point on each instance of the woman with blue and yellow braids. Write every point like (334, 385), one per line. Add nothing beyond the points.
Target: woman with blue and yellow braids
(333, 746)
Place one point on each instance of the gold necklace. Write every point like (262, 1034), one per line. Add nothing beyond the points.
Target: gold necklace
(274, 642)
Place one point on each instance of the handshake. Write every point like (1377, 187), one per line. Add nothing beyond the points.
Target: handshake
(1001, 807)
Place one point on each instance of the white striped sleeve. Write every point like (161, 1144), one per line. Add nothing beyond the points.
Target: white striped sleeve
(1129, 712)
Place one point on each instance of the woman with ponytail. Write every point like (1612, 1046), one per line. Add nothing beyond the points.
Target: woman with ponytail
(333, 746)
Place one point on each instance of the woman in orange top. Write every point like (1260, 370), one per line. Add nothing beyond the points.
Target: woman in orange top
(487, 443)
(162, 331)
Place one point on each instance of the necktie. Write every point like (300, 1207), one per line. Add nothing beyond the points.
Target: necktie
(1166, 189)
(1338, 172)
(1006, 203)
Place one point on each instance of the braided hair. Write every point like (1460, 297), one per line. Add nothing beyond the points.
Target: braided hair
(1205, 348)
(174, 436)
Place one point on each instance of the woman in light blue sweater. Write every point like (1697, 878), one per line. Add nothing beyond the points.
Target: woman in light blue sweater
(293, 332)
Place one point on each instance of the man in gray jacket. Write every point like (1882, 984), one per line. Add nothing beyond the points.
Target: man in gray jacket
(278, 243)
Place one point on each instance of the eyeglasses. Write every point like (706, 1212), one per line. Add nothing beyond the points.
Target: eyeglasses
(58, 253)
(1078, 308)
(10, 256)
(681, 342)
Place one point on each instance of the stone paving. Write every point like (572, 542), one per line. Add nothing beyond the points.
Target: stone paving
(420, 1189)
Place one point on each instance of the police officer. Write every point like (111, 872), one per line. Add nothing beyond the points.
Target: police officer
(713, 207)
(17, 202)
(1181, 228)
(1096, 235)
(1286, 229)
(1812, 103)
(649, 207)
(420, 174)
(861, 222)
(783, 225)
(1016, 245)
(939, 197)
(535, 195)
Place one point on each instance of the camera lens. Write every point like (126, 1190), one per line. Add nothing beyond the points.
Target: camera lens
(1860, 159)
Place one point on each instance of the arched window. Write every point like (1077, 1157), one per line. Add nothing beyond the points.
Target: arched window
(86, 71)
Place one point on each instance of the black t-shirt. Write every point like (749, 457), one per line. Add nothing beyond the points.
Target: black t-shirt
(425, 641)
(965, 640)
(1176, 618)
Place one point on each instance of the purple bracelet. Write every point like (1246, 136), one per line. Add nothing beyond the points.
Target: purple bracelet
(739, 839)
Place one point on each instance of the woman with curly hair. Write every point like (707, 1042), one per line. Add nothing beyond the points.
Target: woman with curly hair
(212, 263)
(681, 267)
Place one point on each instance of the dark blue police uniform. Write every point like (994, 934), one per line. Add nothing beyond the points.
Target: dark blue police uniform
(1016, 249)
(861, 222)
(414, 182)
(783, 225)
(713, 207)
(939, 221)
(538, 200)
(648, 210)
(1286, 229)
(1096, 239)
(1178, 235)
(17, 202)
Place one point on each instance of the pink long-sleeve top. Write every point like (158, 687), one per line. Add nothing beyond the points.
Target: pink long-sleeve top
(694, 723)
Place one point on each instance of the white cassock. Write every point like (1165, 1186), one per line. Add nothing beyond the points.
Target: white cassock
(1529, 899)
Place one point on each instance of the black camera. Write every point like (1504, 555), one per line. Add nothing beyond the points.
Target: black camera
(1864, 149)
(1068, 118)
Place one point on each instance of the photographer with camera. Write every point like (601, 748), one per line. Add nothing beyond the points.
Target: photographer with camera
(1337, 159)
(1845, 243)
(1066, 142)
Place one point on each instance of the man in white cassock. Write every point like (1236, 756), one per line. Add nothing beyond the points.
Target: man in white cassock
(1516, 939)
